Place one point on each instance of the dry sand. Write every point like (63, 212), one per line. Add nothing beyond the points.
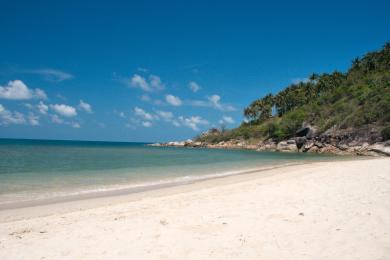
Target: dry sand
(330, 210)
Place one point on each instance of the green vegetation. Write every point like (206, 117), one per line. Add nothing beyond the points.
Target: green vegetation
(350, 100)
(386, 133)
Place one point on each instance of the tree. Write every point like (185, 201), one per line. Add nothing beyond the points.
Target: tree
(260, 109)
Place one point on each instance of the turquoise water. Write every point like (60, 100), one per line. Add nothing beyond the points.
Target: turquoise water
(41, 169)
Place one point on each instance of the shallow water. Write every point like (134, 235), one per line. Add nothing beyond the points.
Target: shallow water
(42, 169)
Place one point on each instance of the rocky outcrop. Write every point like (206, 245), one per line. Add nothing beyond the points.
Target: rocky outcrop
(307, 131)
(342, 142)
(287, 146)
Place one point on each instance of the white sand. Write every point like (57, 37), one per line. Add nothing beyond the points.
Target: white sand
(336, 210)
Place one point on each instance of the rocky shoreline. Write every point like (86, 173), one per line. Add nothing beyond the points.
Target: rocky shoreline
(334, 142)
(365, 149)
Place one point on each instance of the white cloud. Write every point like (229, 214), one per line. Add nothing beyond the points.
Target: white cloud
(64, 110)
(143, 114)
(85, 106)
(56, 119)
(200, 103)
(174, 101)
(28, 105)
(193, 122)
(40, 94)
(76, 125)
(194, 86)
(149, 99)
(175, 123)
(17, 90)
(33, 119)
(138, 81)
(166, 115)
(227, 120)
(8, 117)
(42, 108)
(153, 83)
(156, 83)
(213, 101)
(146, 98)
(120, 114)
(299, 80)
(61, 97)
(147, 124)
(142, 69)
(51, 74)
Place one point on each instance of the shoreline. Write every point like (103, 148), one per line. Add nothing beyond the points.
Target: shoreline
(140, 188)
(320, 210)
(101, 198)
(44, 207)
(319, 145)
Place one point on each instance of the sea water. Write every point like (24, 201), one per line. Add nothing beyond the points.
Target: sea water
(33, 170)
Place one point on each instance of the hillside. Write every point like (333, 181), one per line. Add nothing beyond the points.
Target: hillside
(339, 109)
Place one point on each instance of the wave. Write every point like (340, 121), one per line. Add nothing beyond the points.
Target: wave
(112, 190)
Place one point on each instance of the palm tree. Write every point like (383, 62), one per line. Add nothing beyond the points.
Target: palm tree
(260, 109)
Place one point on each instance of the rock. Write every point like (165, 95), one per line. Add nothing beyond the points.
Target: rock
(287, 146)
(291, 141)
(313, 149)
(306, 131)
(331, 131)
(380, 148)
(319, 144)
(268, 145)
(343, 147)
(197, 144)
(353, 143)
(307, 146)
(300, 141)
(188, 142)
(331, 149)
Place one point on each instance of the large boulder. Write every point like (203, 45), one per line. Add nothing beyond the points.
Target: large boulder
(189, 142)
(306, 130)
(300, 142)
(287, 146)
(381, 148)
(197, 144)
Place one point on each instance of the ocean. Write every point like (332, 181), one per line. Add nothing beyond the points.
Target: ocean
(38, 170)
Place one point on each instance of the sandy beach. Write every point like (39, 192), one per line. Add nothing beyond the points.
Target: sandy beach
(327, 210)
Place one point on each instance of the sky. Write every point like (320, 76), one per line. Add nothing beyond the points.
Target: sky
(148, 71)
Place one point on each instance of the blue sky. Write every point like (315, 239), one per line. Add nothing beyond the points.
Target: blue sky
(165, 70)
